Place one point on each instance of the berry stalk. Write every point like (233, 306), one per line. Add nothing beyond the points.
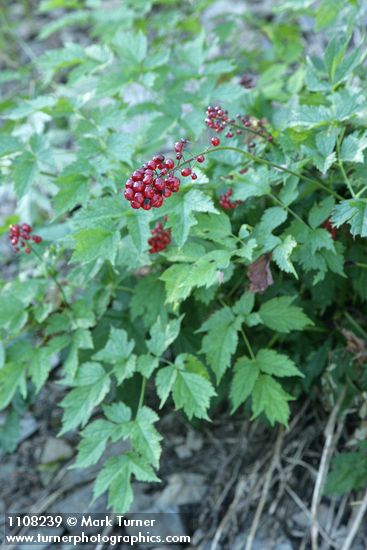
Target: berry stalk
(52, 275)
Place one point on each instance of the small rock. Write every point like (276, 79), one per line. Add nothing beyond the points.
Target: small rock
(55, 450)
(28, 426)
(182, 489)
(193, 443)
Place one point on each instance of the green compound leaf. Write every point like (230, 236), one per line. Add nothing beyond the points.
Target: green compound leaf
(272, 362)
(188, 381)
(117, 348)
(246, 372)
(145, 438)
(162, 334)
(221, 341)
(25, 173)
(278, 314)
(282, 253)
(94, 244)
(92, 384)
(269, 397)
(354, 212)
(182, 218)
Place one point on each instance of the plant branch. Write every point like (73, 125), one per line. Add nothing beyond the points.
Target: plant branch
(330, 442)
(247, 342)
(341, 165)
(53, 277)
(266, 162)
(142, 393)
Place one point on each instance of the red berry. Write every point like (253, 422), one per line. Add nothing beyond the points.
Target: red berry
(186, 171)
(128, 194)
(158, 159)
(26, 227)
(138, 186)
(169, 164)
(194, 176)
(200, 158)
(215, 141)
(139, 198)
(129, 184)
(149, 192)
(146, 205)
(159, 184)
(137, 175)
(37, 239)
(179, 156)
(135, 204)
(27, 250)
(178, 146)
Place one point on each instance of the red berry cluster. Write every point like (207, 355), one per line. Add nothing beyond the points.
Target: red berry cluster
(160, 238)
(330, 228)
(152, 183)
(225, 201)
(20, 234)
(217, 119)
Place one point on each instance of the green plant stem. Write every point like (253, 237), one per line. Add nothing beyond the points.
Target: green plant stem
(248, 345)
(48, 174)
(142, 393)
(341, 165)
(266, 162)
(53, 277)
(361, 191)
(360, 264)
(125, 288)
(292, 212)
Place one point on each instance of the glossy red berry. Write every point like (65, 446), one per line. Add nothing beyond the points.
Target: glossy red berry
(160, 238)
(169, 164)
(215, 141)
(129, 194)
(200, 158)
(138, 186)
(37, 239)
(186, 171)
(139, 198)
(159, 184)
(194, 176)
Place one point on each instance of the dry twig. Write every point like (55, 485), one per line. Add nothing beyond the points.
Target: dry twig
(356, 523)
(330, 442)
(274, 463)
